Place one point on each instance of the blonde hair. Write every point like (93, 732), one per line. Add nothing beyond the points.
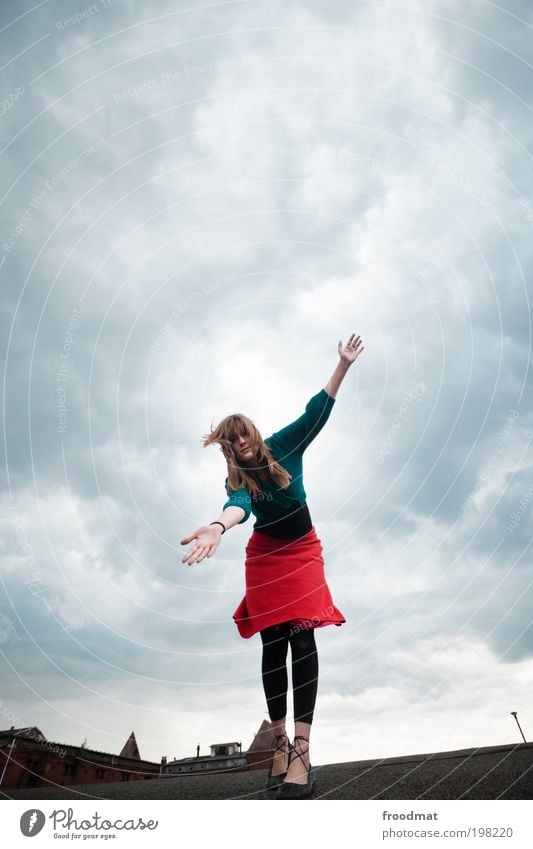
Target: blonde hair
(238, 475)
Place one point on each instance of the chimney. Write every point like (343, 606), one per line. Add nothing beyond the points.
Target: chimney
(198, 751)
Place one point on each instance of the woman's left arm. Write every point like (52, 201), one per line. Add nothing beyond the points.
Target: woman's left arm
(348, 354)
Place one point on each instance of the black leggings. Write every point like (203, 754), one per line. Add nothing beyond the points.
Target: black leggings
(276, 640)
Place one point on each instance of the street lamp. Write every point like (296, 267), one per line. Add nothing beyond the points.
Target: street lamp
(513, 713)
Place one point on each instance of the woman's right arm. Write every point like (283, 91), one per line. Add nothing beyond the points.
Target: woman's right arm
(208, 536)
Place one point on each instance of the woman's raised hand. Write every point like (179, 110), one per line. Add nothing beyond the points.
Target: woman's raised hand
(207, 539)
(351, 350)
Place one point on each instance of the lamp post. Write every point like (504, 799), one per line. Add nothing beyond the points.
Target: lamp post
(513, 713)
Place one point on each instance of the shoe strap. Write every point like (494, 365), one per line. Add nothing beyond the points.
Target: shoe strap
(295, 751)
(282, 748)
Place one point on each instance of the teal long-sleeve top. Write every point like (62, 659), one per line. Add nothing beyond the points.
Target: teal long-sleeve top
(287, 446)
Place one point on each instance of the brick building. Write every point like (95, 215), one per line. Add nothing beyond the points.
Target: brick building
(261, 751)
(28, 759)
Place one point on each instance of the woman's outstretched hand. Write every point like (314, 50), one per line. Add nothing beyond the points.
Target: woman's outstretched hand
(351, 350)
(207, 539)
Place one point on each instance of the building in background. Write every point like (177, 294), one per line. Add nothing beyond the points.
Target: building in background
(28, 759)
(223, 757)
(261, 751)
(227, 756)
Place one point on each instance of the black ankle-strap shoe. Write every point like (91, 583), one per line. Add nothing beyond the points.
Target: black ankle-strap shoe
(291, 790)
(273, 781)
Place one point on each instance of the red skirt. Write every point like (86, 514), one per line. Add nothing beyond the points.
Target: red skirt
(285, 582)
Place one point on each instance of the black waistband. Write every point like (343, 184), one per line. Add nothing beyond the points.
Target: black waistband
(296, 524)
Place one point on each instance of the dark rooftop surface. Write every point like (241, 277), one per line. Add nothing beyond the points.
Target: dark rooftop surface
(493, 772)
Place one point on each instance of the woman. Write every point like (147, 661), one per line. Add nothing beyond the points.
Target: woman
(287, 595)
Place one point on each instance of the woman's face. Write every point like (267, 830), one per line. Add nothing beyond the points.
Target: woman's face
(241, 447)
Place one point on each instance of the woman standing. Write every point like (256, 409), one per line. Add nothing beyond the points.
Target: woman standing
(287, 595)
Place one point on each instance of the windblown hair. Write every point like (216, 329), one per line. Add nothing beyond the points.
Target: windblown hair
(239, 475)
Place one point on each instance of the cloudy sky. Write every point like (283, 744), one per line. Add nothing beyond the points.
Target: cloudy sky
(197, 204)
